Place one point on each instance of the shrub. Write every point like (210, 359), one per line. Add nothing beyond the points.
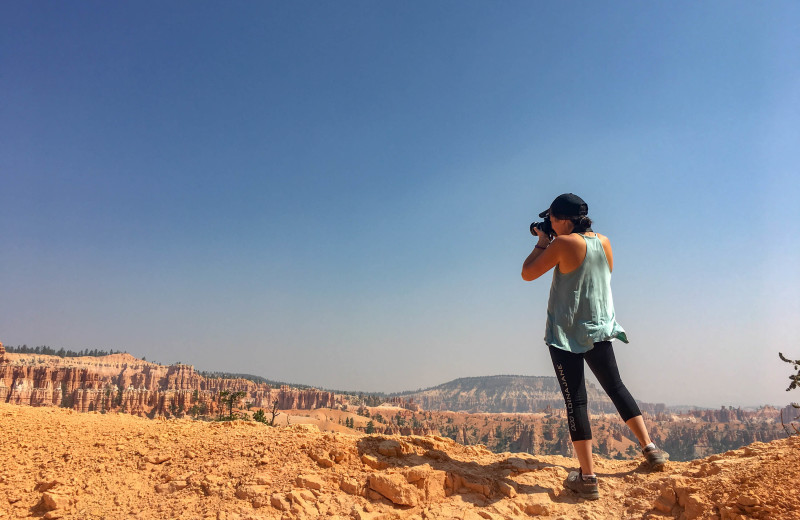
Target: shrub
(795, 382)
(260, 416)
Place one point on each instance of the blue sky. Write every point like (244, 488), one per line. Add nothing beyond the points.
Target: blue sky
(339, 194)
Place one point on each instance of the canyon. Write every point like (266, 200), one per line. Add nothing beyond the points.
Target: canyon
(121, 382)
(110, 437)
(503, 413)
(56, 463)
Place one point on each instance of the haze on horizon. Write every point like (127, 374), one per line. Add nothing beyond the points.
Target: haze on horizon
(339, 194)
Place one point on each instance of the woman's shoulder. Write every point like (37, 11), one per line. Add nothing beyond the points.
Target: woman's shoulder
(580, 238)
(603, 238)
(575, 240)
(572, 245)
(570, 240)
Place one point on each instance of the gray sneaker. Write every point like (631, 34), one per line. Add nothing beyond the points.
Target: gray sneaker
(586, 488)
(656, 458)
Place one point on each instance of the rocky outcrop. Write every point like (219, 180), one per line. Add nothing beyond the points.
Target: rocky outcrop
(58, 464)
(121, 382)
(294, 399)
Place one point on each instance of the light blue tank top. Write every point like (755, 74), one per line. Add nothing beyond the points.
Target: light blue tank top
(580, 311)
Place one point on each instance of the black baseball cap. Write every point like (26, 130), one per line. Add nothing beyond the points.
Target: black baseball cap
(567, 205)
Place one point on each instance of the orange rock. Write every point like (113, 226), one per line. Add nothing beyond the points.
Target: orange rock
(434, 478)
(664, 505)
(390, 448)
(249, 492)
(395, 488)
(350, 486)
(51, 500)
(279, 502)
(694, 507)
(373, 462)
(157, 459)
(747, 500)
(310, 481)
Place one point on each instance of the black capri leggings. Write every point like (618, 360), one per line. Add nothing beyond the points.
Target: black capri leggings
(569, 371)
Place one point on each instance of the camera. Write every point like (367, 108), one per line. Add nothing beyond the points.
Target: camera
(544, 226)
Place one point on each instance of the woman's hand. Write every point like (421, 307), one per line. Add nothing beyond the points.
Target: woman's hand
(544, 239)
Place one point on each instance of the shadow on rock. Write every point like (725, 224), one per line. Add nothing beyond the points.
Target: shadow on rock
(414, 470)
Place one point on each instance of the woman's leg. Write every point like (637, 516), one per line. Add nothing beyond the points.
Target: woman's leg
(603, 364)
(569, 372)
(583, 450)
(638, 428)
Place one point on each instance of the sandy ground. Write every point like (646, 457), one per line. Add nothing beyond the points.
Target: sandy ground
(56, 463)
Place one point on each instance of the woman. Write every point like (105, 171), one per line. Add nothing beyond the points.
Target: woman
(580, 326)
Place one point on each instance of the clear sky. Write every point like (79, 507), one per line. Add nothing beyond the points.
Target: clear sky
(339, 193)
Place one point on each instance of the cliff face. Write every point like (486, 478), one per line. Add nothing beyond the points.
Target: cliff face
(121, 382)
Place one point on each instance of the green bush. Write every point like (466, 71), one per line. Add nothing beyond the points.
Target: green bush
(261, 417)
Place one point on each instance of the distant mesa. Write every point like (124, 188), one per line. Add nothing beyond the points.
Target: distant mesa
(508, 394)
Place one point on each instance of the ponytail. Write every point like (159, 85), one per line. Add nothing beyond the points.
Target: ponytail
(582, 224)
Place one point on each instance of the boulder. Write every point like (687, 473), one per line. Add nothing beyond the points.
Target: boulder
(52, 501)
(395, 488)
(390, 448)
(310, 481)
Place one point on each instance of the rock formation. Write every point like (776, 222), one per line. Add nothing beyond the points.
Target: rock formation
(121, 382)
(55, 463)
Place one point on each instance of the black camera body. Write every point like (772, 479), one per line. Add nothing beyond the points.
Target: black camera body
(545, 226)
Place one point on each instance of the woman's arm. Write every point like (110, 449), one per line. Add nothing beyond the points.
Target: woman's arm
(542, 260)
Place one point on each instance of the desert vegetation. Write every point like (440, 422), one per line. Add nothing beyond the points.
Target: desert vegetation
(792, 421)
(45, 350)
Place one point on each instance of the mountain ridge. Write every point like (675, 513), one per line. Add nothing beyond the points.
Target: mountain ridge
(506, 393)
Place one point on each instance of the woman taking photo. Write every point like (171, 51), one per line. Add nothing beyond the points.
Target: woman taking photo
(580, 326)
